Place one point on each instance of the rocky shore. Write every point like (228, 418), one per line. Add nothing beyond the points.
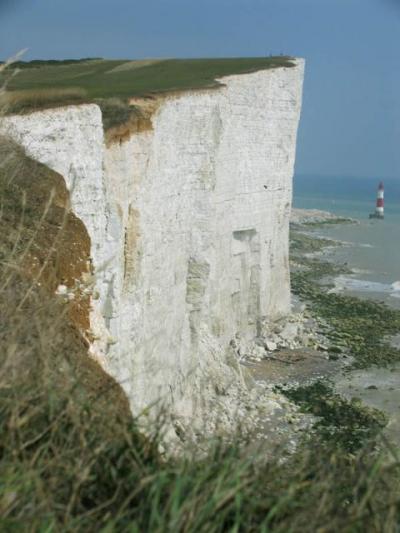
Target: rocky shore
(299, 373)
(315, 216)
(307, 357)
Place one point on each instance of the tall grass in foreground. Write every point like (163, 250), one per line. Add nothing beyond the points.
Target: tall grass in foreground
(71, 457)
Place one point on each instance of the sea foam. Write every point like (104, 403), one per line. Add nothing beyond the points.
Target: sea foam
(343, 283)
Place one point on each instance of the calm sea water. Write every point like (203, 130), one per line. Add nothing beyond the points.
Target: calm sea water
(372, 247)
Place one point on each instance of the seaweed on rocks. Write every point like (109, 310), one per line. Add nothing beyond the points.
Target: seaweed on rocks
(347, 425)
(301, 242)
(356, 327)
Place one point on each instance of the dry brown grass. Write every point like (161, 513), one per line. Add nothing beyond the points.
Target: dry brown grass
(38, 227)
(71, 458)
(122, 120)
(42, 245)
(34, 100)
(133, 65)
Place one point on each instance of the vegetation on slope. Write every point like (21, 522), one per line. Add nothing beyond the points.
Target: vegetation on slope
(71, 457)
(36, 63)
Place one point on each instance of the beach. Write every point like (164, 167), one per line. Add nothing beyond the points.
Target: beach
(367, 258)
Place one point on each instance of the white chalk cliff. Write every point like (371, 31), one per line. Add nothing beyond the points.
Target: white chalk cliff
(189, 229)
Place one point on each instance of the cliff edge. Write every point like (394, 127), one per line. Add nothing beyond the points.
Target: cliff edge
(188, 222)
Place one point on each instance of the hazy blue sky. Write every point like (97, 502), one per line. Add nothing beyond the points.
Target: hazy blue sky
(351, 115)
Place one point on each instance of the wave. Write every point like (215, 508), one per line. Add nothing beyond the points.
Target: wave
(355, 244)
(343, 283)
(360, 271)
(395, 289)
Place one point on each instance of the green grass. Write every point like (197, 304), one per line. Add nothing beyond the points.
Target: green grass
(101, 79)
(36, 63)
(71, 456)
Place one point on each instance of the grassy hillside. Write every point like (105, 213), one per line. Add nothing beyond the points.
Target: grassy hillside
(71, 458)
(42, 84)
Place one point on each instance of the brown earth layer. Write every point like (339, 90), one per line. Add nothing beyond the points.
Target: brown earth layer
(44, 245)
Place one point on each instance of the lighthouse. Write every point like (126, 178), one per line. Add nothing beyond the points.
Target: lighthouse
(379, 203)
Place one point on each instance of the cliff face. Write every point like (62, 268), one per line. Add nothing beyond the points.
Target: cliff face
(189, 228)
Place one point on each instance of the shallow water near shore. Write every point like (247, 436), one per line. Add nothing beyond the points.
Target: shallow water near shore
(378, 388)
(371, 249)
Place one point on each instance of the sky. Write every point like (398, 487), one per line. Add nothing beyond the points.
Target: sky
(350, 123)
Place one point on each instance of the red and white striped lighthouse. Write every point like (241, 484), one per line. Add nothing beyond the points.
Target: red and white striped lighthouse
(379, 209)
(380, 201)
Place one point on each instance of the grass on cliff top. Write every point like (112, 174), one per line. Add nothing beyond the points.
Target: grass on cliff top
(93, 80)
(71, 457)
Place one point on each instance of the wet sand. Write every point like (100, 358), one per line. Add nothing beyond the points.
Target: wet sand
(294, 367)
(281, 429)
(378, 388)
(375, 387)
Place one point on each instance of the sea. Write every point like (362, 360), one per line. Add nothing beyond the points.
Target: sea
(370, 248)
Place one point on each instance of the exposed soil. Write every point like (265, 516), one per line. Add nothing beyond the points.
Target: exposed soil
(44, 245)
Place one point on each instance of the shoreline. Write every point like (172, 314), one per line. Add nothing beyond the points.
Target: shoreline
(372, 273)
(366, 359)
(358, 281)
(340, 381)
